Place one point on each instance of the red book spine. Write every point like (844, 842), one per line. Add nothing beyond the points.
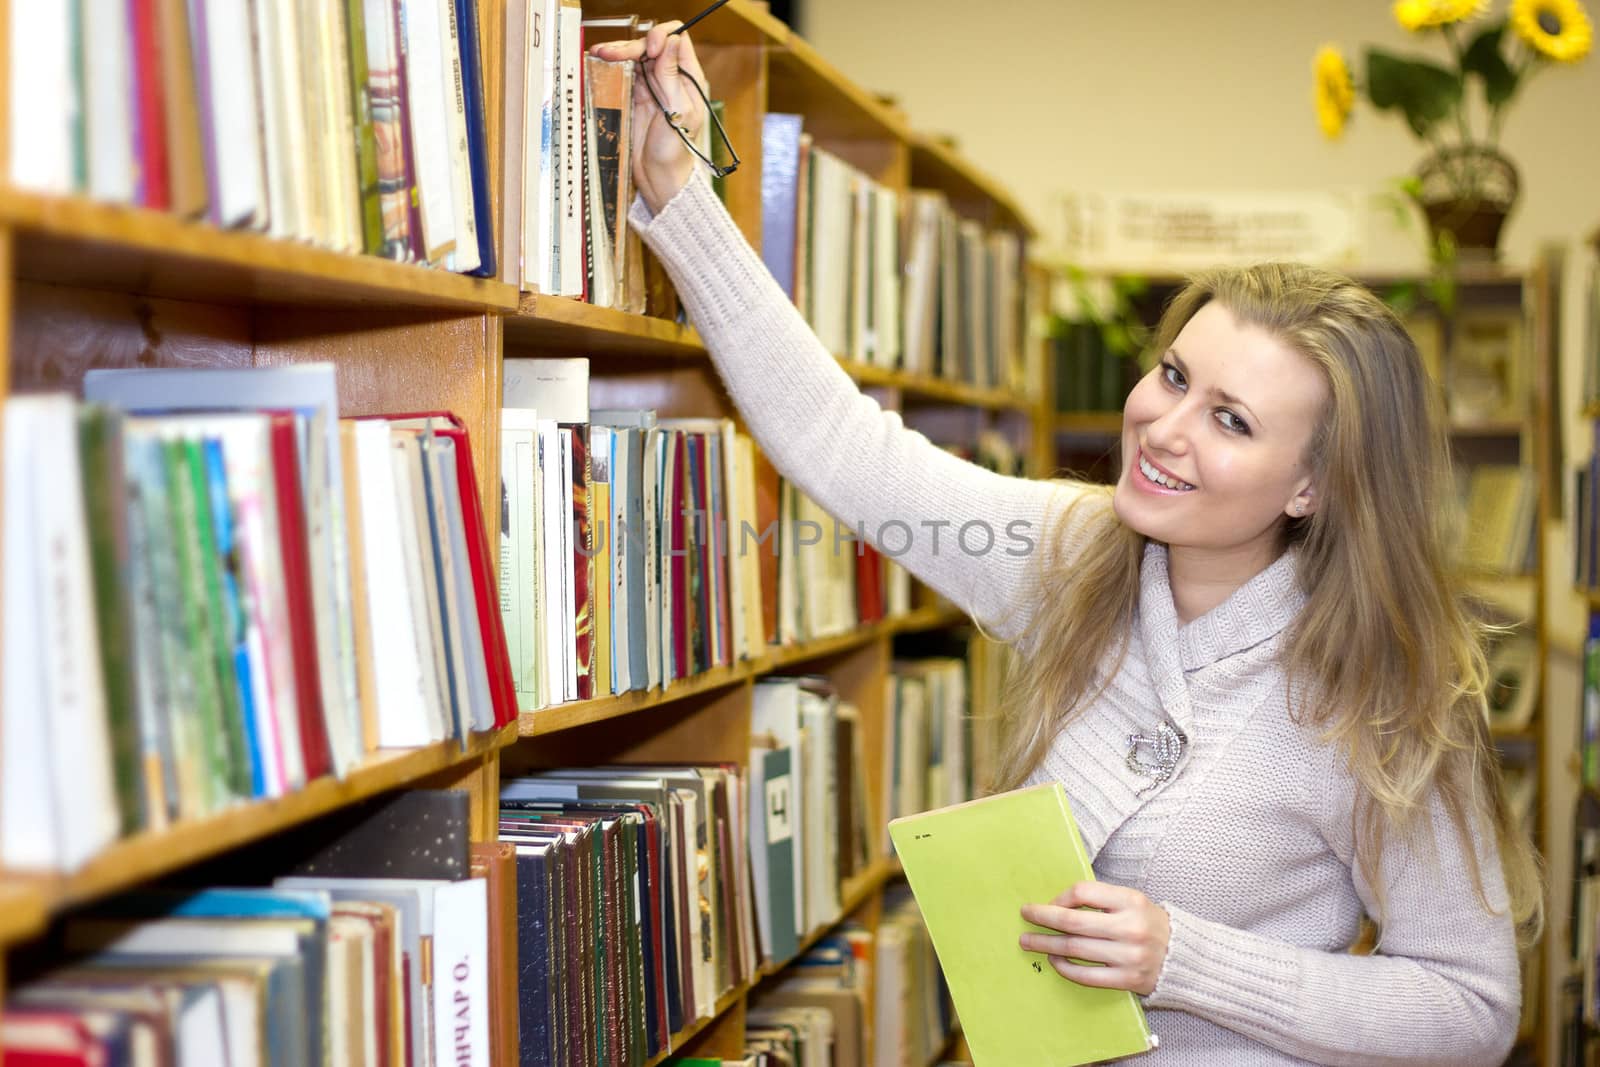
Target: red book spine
(297, 583)
(154, 185)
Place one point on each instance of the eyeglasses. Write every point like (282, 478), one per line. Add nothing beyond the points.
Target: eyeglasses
(721, 170)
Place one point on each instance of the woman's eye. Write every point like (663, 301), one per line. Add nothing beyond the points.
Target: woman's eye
(1232, 422)
(1174, 376)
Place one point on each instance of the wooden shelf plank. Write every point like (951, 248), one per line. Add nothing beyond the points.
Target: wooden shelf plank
(935, 165)
(556, 322)
(1505, 428)
(567, 716)
(1096, 423)
(23, 912)
(918, 385)
(79, 242)
(137, 859)
(679, 1039)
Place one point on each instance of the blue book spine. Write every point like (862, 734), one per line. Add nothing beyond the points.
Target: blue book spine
(477, 136)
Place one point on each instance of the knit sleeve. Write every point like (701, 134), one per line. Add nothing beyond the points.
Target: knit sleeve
(966, 531)
(1443, 987)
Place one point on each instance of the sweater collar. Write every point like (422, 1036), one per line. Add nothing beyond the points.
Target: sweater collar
(1256, 611)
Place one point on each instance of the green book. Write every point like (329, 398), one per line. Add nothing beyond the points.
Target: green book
(972, 867)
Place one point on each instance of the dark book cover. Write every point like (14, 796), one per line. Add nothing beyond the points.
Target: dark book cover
(417, 833)
(535, 952)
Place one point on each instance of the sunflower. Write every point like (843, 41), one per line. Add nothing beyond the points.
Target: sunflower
(1417, 15)
(1333, 91)
(1559, 29)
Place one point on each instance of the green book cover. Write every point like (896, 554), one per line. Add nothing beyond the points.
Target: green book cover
(972, 867)
(105, 503)
(218, 625)
(206, 720)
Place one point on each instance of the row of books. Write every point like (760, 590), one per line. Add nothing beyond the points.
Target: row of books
(671, 885)
(1089, 374)
(358, 126)
(855, 999)
(637, 550)
(1501, 504)
(889, 280)
(392, 950)
(222, 592)
(567, 181)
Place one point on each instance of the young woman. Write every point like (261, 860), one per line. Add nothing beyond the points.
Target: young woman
(1246, 662)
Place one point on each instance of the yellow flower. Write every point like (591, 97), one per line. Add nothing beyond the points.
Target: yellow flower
(1417, 15)
(1559, 29)
(1333, 91)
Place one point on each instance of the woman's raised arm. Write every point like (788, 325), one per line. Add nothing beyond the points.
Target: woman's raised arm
(966, 531)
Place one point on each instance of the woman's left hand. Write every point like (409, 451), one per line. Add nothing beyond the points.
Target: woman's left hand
(1127, 934)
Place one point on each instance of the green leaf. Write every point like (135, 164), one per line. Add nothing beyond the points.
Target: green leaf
(1483, 58)
(1424, 92)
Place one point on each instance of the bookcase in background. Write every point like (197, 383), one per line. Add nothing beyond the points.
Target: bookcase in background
(87, 285)
(1492, 356)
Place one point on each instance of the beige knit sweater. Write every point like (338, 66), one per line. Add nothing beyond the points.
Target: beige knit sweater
(1249, 845)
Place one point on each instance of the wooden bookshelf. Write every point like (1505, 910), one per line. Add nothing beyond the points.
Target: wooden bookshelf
(1089, 423)
(135, 860)
(79, 242)
(150, 289)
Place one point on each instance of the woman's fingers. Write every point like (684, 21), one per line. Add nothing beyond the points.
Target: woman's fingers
(1071, 920)
(1088, 949)
(1100, 977)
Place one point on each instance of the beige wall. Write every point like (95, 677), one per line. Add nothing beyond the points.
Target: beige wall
(1158, 94)
(1148, 95)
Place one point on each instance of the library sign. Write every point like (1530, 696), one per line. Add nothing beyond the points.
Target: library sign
(1185, 231)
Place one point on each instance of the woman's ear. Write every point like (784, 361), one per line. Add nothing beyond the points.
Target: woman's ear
(1304, 503)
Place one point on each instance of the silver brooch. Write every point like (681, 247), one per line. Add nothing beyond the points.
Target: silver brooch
(1167, 749)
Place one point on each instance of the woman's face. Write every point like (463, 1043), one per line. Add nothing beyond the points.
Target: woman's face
(1214, 439)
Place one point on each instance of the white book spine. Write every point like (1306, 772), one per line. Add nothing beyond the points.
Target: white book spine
(235, 114)
(461, 973)
(419, 585)
(539, 132)
(651, 482)
(566, 566)
(28, 840)
(109, 92)
(425, 107)
(519, 459)
(551, 521)
(276, 122)
(465, 256)
(75, 707)
(344, 181)
(404, 719)
(45, 109)
(621, 635)
(569, 56)
(514, 123)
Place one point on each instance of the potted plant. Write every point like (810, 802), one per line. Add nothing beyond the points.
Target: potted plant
(1464, 184)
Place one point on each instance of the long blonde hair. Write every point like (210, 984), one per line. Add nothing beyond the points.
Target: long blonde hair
(1392, 653)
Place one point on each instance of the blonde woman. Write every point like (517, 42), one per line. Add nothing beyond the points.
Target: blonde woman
(1246, 662)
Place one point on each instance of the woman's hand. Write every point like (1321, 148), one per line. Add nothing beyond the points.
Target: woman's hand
(1128, 935)
(662, 164)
